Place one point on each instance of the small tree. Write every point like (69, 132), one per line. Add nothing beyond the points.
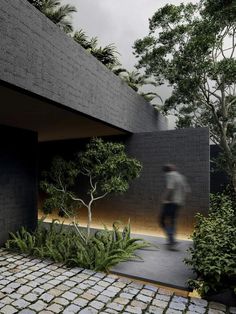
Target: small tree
(105, 165)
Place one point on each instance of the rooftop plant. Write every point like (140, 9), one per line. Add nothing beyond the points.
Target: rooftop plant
(108, 55)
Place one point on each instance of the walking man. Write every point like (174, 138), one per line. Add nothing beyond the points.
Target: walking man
(173, 198)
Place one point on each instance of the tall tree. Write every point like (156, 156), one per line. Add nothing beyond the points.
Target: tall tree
(192, 48)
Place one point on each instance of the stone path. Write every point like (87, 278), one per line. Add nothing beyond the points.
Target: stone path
(29, 286)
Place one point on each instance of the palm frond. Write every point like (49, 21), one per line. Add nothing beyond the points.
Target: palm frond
(81, 38)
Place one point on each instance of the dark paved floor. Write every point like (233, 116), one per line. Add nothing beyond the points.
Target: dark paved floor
(160, 265)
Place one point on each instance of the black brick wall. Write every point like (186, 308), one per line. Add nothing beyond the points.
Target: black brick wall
(39, 57)
(187, 148)
(18, 184)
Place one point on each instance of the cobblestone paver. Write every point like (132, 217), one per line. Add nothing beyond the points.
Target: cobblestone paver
(29, 286)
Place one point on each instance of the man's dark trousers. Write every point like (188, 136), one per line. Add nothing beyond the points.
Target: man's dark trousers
(168, 220)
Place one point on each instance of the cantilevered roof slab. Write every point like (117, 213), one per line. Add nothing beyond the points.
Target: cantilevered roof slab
(51, 122)
(39, 58)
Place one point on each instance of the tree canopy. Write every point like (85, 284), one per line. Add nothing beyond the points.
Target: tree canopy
(107, 168)
(192, 47)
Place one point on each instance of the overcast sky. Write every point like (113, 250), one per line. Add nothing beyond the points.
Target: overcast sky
(116, 21)
(120, 22)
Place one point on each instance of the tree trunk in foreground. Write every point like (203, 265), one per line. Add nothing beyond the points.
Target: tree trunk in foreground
(89, 221)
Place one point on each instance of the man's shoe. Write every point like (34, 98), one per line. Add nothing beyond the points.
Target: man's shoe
(172, 243)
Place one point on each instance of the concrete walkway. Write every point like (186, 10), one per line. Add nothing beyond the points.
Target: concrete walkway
(159, 264)
(162, 265)
(29, 286)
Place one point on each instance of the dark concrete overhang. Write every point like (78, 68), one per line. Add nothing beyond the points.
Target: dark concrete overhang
(50, 121)
(38, 57)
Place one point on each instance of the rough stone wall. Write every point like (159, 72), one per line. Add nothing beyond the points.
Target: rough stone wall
(18, 183)
(187, 148)
(40, 58)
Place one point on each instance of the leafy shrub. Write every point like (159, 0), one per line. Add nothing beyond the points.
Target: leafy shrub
(213, 255)
(101, 252)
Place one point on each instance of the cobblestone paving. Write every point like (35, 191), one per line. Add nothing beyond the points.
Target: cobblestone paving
(30, 286)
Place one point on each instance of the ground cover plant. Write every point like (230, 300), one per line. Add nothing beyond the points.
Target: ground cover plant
(62, 244)
(213, 255)
(103, 168)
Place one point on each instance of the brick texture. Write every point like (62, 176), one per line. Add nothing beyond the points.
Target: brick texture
(18, 192)
(40, 58)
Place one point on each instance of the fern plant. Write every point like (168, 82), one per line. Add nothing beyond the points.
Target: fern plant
(22, 240)
(103, 250)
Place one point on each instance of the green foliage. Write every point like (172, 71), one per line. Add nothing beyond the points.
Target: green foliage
(192, 48)
(106, 55)
(61, 15)
(102, 251)
(213, 255)
(56, 12)
(108, 165)
(133, 79)
(81, 38)
(57, 182)
(105, 165)
(221, 10)
(22, 240)
(36, 3)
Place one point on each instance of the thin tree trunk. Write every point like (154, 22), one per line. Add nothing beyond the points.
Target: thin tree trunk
(75, 225)
(89, 220)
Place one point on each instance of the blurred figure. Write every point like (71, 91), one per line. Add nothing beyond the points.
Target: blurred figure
(173, 199)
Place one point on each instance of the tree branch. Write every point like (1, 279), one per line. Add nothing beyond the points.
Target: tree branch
(75, 224)
(101, 196)
(59, 190)
(78, 200)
